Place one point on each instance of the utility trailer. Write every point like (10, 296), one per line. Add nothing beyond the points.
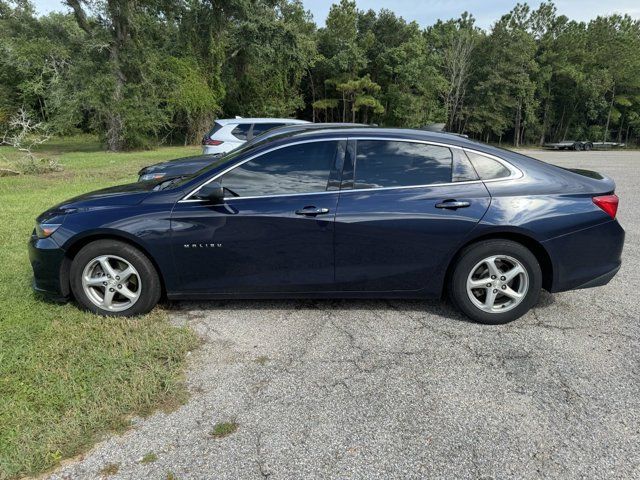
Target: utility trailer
(582, 145)
(576, 145)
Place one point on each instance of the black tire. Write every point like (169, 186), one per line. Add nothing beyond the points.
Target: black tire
(150, 290)
(470, 256)
(587, 147)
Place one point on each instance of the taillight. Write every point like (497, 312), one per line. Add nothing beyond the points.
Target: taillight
(209, 141)
(608, 204)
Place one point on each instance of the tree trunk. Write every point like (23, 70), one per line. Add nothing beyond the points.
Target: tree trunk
(114, 119)
(620, 130)
(545, 116)
(626, 140)
(516, 135)
(561, 123)
(606, 128)
(313, 97)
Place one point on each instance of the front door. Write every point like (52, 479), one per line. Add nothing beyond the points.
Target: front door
(274, 231)
(403, 215)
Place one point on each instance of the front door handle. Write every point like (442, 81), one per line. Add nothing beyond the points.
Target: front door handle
(452, 204)
(312, 211)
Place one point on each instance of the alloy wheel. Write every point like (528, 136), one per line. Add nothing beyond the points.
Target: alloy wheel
(497, 284)
(111, 283)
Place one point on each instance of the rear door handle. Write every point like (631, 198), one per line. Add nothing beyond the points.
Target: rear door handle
(452, 204)
(312, 211)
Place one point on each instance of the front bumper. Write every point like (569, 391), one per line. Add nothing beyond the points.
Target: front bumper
(46, 258)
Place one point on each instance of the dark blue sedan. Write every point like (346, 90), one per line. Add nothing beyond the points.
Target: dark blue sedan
(338, 213)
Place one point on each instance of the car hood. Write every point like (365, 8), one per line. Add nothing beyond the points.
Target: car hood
(121, 195)
(181, 166)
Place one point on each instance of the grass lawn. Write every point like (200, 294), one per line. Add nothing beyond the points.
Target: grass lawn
(66, 376)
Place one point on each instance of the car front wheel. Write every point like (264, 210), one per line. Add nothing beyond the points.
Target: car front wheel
(113, 278)
(496, 281)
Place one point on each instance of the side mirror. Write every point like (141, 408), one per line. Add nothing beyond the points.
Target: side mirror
(212, 191)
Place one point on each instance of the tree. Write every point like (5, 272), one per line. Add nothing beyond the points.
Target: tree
(273, 49)
(456, 41)
(139, 73)
(505, 89)
(359, 93)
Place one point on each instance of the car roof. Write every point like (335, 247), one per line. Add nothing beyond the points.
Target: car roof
(295, 127)
(380, 132)
(229, 121)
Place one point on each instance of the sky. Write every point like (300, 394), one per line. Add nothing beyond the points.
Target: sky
(427, 12)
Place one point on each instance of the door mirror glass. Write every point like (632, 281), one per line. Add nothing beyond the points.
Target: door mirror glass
(212, 192)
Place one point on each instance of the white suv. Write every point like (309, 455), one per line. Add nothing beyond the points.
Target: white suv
(230, 133)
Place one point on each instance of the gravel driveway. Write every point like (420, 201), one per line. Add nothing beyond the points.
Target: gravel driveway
(365, 389)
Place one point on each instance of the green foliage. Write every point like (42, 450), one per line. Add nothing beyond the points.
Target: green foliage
(223, 429)
(149, 457)
(142, 73)
(190, 101)
(67, 377)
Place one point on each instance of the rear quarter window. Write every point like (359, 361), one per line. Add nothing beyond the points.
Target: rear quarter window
(487, 168)
(216, 127)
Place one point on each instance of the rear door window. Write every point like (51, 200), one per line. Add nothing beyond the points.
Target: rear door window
(241, 132)
(259, 128)
(385, 163)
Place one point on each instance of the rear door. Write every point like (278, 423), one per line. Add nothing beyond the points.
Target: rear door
(274, 231)
(404, 208)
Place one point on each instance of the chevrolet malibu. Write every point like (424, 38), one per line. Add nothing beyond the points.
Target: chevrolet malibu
(338, 213)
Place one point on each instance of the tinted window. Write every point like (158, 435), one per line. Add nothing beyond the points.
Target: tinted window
(381, 163)
(463, 171)
(259, 128)
(300, 168)
(216, 127)
(241, 132)
(488, 168)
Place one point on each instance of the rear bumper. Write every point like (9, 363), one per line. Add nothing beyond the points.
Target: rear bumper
(46, 258)
(587, 258)
(601, 280)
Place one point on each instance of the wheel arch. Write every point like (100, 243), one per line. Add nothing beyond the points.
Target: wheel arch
(538, 250)
(76, 244)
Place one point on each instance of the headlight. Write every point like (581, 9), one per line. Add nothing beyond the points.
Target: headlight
(151, 176)
(44, 230)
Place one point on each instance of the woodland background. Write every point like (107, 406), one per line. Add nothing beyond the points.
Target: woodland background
(139, 73)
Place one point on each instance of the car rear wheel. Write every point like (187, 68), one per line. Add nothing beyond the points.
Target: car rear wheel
(113, 278)
(496, 281)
